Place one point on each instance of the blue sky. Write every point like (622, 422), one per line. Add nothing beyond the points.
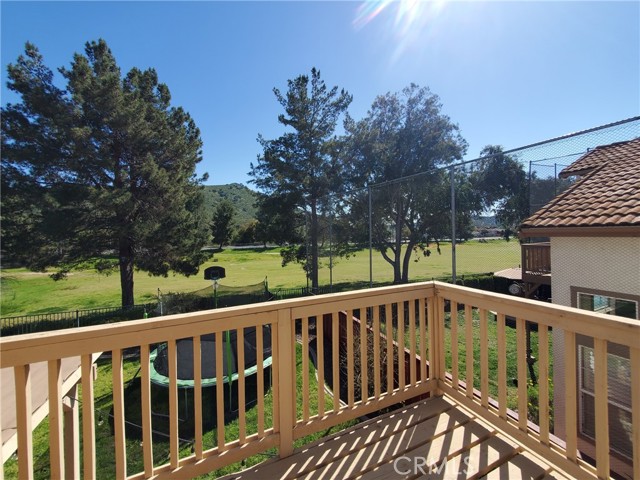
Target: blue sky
(509, 73)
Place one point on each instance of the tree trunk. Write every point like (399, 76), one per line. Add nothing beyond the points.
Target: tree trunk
(126, 272)
(406, 261)
(314, 248)
(397, 270)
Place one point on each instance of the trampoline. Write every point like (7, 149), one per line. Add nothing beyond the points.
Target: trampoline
(160, 366)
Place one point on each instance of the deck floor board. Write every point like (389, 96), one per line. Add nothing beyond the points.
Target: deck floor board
(435, 439)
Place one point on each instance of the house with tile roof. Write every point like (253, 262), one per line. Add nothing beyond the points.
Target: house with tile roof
(593, 231)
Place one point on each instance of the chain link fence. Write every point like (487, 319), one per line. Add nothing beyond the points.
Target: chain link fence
(402, 230)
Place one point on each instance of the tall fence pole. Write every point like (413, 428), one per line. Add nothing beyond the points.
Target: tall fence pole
(331, 249)
(453, 226)
(370, 241)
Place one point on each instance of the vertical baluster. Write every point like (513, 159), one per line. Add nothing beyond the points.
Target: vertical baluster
(71, 417)
(320, 360)
(602, 407)
(570, 391)
(454, 344)
(543, 382)
(521, 338)
(88, 419)
(305, 369)
(242, 420)
(22, 377)
(436, 345)
(275, 372)
(56, 442)
(402, 318)
(468, 323)
(502, 366)
(335, 361)
(376, 351)
(118, 414)
(388, 315)
(260, 373)
(439, 344)
(220, 390)
(364, 374)
(484, 359)
(412, 342)
(145, 408)
(174, 440)
(197, 394)
(350, 362)
(423, 337)
(294, 379)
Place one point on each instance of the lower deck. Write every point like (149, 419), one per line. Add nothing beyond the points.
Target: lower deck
(434, 438)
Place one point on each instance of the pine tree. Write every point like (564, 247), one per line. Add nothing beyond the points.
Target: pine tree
(103, 168)
(223, 225)
(300, 168)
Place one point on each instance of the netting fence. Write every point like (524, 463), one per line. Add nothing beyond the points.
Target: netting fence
(217, 296)
(402, 230)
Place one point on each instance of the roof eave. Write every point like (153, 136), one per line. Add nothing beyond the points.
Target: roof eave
(593, 231)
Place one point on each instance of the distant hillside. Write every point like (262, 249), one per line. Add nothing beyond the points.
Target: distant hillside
(242, 197)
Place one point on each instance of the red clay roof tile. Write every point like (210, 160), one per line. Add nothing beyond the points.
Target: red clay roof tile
(608, 194)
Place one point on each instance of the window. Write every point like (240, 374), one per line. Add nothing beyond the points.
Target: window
(609, 305)
(619, 372)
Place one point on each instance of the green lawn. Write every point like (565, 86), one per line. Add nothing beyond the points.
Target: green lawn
(511, 360)
(25, 292)
(492, 349)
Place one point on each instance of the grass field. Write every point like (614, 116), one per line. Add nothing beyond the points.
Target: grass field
(25, 292)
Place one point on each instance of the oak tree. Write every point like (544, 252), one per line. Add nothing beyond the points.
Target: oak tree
(399, 148)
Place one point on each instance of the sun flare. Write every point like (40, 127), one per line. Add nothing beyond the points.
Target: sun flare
(407, 12)
(406, 22)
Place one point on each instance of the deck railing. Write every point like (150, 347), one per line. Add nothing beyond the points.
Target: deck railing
(466, 374)
(372, 348)
(536, 260)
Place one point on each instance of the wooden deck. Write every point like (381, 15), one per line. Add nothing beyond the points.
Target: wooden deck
(413, 349)
(435, 438)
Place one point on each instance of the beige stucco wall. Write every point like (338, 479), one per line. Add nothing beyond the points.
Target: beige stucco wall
(602, 263)
(599, 263)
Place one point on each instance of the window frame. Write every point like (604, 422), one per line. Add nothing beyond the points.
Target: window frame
(576, 291)
(613, 350)
(610, 401)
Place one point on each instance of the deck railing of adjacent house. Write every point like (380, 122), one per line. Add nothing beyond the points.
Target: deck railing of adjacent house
(377, 347)
(536, 258)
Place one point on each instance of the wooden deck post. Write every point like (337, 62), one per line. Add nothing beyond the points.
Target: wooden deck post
(286, 362)
(436, 340)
